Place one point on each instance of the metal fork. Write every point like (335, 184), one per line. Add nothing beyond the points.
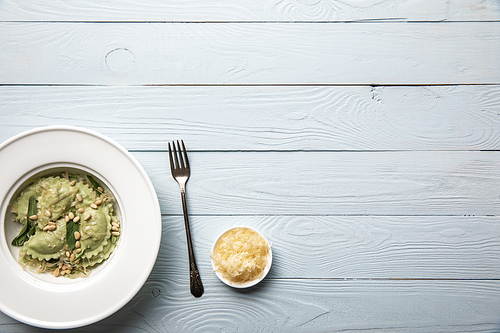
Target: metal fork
(181, 171)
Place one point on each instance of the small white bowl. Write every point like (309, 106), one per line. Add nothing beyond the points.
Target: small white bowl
(246, 284)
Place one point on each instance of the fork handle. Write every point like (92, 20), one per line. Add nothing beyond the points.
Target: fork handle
(194, 275)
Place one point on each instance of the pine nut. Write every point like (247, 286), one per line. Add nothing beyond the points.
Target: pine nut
(115, 228)
(93, 206)
(79, 197)
(48, 213)
(33, 217)
(63, 272)
(78, 250)
(114, 224)
(56, 272)
(76, 219)
(60, 265)
(87, 216)
(77, 235)
(52, 223)
(71, 215)
(66, 218)
(64, 174)
(100, 189)
(81, 210)
(73, 183)
(66, 266)
(67, 255)
(51, 227)
(73, 257)
(115, 233)
(77, 244)
(46, 228)
(98, 202)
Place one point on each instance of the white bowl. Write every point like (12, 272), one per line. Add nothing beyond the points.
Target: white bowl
(41, 299)
(246, 284)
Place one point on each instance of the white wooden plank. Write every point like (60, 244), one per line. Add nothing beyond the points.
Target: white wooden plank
(265, 118)
(347, 247)
(249, 53)
(245, 10)
(309, 305)
(305, 306)
(345, 183)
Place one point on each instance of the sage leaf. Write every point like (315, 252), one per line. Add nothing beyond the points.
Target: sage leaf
(19, 240)
(32, 230)
(28, 227)
(32, 209)
(95, 184)
(71, 227)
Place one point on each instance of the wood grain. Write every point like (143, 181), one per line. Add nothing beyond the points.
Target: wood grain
(265, 118)
(315, 305)
(250, 53)
(306, 306)
(245, 10)
(347, 247)
(330, 183)
(367, 152)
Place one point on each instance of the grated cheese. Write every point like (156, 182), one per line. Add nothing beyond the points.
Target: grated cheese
(241, 255)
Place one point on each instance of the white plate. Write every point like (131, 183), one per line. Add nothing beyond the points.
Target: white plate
(246, 284)
(43, 300)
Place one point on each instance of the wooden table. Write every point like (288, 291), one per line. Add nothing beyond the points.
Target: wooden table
(361, 137)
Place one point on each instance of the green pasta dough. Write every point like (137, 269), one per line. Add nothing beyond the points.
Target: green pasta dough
(74, 229)
(46, 245)
(96, 231)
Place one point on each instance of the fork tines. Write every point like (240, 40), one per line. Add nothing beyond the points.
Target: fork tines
(181, 161)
